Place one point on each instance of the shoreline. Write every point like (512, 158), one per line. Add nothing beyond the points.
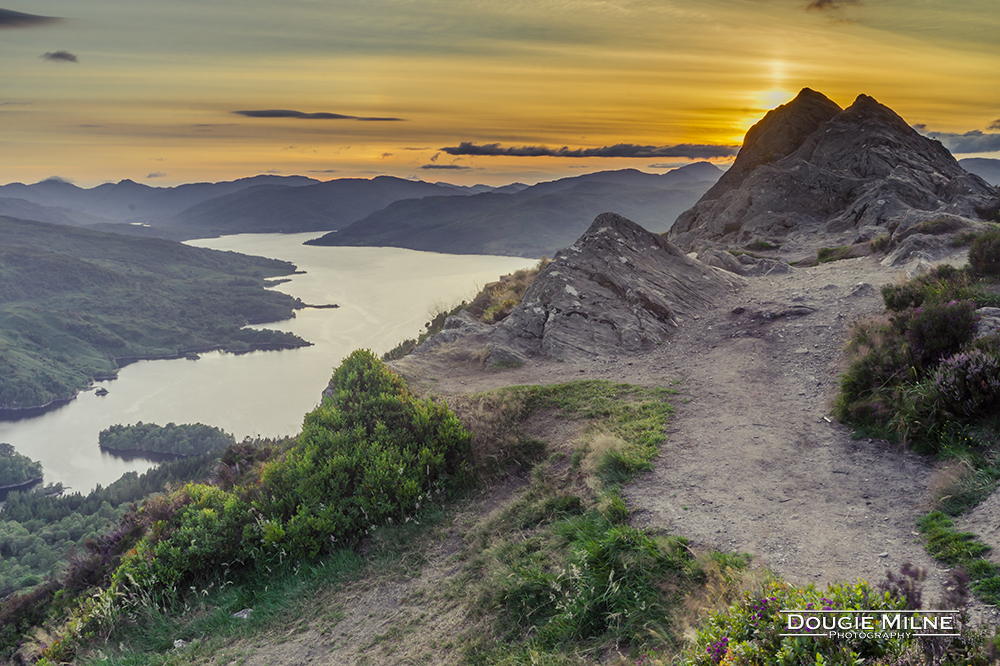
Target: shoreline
(11, 414)
(14, 487)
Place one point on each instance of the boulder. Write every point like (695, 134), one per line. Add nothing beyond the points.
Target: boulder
(619, 288)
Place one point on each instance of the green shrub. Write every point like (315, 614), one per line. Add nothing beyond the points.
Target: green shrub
(371, 454)
(891, 358)
(984, 255)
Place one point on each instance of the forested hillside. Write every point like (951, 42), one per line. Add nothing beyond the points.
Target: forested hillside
(76, 304)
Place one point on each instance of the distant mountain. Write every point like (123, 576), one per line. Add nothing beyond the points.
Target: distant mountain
(128, 201)
(810, 172)
(985, 168)
(317, 207)
(533, 221)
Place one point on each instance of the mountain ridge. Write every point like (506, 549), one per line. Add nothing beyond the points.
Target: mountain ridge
(537, 220)
(860, 173)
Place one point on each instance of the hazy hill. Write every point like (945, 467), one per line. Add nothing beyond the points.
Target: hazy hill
(317, 207)
(76, 303)
(985, 168)
(810, 171)
(531, 222)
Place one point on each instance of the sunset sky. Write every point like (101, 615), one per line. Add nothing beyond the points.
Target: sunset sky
(466, 91)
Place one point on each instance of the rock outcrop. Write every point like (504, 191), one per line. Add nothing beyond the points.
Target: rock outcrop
(618, 289)
(809, 172)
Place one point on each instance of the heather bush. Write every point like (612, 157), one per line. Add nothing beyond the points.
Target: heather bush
(984, 255)
(884, 387)
(748, 632)
(968, 384)
(937, 330)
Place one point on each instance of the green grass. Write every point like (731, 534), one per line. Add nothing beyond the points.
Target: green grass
(962, 549)
(828, 254)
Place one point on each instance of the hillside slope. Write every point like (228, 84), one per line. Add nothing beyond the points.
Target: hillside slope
(76, 304)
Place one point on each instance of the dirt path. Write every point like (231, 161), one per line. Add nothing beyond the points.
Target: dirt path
(754, 462)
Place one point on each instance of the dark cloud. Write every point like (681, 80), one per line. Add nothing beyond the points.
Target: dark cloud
(288, 113)
(57, 179)
(156, 174)
(323, 171)
(995, 124)
(452, 167)
(689, 150)
(829, 5)
(970, 142)
(9, 19)
(60, 56)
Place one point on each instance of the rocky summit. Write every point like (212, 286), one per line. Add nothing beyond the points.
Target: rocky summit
(618, 289)
(810, 173)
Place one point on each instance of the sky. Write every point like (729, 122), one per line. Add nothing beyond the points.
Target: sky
(465, 91)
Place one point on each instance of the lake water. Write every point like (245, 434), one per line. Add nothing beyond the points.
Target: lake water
(385, 295)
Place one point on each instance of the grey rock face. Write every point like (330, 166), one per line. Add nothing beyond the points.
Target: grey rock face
(989, 322)
(619, 288)
(809, 169)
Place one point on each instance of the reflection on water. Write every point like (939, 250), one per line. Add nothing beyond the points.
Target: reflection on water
(384, 294)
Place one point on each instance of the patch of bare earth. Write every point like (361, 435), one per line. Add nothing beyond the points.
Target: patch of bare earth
(753, 462)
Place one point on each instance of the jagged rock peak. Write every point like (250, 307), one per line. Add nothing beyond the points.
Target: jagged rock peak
(856, 174)
(619, 288)
(778, 134)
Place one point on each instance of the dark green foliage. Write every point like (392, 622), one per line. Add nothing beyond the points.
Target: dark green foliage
(15, 468)
(984, 255)
(188, 439)
(890, 358)
(935, 331)
(76, 303)
(71, 544)
(370, 454)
